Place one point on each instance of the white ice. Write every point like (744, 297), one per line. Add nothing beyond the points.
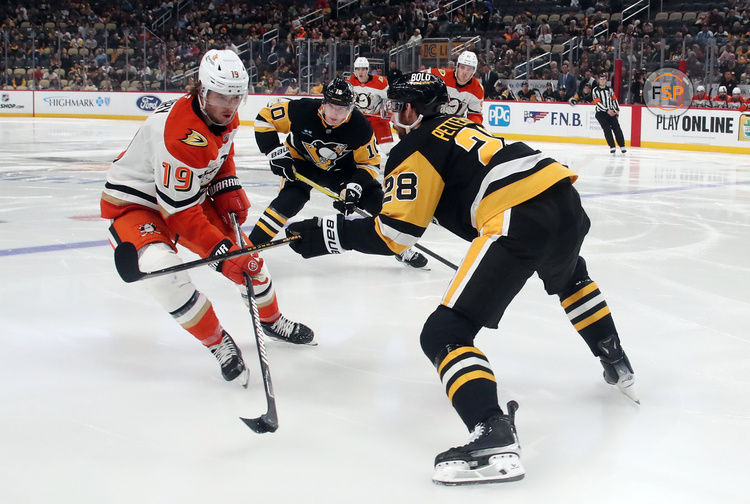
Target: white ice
(104, 399)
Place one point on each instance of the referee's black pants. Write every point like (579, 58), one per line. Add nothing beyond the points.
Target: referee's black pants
(609, 124)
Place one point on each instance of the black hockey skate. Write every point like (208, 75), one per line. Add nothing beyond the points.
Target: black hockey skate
(411, 257)
(617, 368)
(230, 358)
(286, 330)
(492, 454)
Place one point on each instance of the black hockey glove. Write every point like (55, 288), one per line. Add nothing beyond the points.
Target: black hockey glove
(352, 193)
(281, 162)
(320, 236)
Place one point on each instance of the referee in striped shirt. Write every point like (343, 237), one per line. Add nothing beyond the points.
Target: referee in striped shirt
(607, 110)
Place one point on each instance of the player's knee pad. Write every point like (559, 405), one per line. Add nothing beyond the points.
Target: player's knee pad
(444, 330)
(171, 291)
(291, 199)
(579, 278)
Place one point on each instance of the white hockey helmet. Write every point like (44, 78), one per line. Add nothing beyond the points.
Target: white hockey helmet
(361, 62)
(722, 89)
(700, 89)
(222, 71)
(468, 58)
(736, 91)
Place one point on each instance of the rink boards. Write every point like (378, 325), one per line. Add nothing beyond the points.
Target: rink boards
(712, 130)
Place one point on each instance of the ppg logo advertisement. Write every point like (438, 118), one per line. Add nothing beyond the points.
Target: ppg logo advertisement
(499, 114)
(148, 103)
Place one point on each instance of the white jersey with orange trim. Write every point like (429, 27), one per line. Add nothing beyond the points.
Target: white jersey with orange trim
(369, 96)
(464, 100)
(171, 160)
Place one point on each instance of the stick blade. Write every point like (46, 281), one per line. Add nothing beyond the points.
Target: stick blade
(261, 424)
(126, 262)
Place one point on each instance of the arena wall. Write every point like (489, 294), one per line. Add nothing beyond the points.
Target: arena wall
(697, 129)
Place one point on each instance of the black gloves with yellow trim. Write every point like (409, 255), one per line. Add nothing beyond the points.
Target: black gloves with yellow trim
(320, 236)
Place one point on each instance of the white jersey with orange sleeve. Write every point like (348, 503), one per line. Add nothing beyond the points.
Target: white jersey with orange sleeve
(369, 96)
(464, 100)
(168, 167)
(737, 102)
(719, 101)
(701, 100)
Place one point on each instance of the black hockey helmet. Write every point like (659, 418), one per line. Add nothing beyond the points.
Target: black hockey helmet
(338, 92)
(425, 91)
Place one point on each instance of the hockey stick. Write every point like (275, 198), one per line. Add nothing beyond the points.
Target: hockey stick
(126, 260)
(268, 421)
(364, 213)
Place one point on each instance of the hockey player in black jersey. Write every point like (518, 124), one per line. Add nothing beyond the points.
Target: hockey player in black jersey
(519, 210)
(331, 143)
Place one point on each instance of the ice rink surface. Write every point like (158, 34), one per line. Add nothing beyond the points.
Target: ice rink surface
(104, 399)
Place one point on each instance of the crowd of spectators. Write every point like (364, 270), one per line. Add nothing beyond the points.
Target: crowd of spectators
(108, 44)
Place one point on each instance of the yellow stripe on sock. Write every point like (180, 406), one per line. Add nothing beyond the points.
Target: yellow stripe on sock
(591, 319)
(474, 375)
(455, 353)
(276, 216)
(578, 295)
(266, 229)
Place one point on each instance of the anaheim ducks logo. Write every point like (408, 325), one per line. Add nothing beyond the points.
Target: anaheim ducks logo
(195, 139)
(368, 102)
(147, 229)
(324, 154)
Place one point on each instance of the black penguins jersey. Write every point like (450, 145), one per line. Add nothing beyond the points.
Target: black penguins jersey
(454, 171)
(330, 148)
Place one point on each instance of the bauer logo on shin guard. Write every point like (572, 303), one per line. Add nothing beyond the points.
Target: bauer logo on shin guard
(331, 234)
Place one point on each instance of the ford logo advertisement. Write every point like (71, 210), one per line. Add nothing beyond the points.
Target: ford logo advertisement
(148, 103)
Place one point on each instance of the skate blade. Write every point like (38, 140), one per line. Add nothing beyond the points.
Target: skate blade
(628, 389)
(244, 378)
(502, 468)
(275, 338)
(409, 266)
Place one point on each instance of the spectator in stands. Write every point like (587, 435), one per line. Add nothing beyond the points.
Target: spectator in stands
(704, 35)
(489, 77)
(588, 78)
(393, 72)
(567, 81)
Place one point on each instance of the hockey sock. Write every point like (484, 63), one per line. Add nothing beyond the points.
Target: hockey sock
(469, 383)
(268, 226)
(205, 326)
(588, 312)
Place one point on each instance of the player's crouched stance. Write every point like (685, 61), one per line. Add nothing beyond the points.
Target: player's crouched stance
(519, 210)
(177, 181)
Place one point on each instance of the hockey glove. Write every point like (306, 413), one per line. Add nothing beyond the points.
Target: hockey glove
(228, 196)
(281, 162)
(235, 268)
(352, 193)
(320, 236)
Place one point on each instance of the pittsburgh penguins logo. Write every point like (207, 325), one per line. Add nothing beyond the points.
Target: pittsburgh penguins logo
(148, 228)
(324, 154)
(195, 139)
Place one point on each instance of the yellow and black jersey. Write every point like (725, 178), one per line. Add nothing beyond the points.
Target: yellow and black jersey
(454, 171)
(311, 139)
